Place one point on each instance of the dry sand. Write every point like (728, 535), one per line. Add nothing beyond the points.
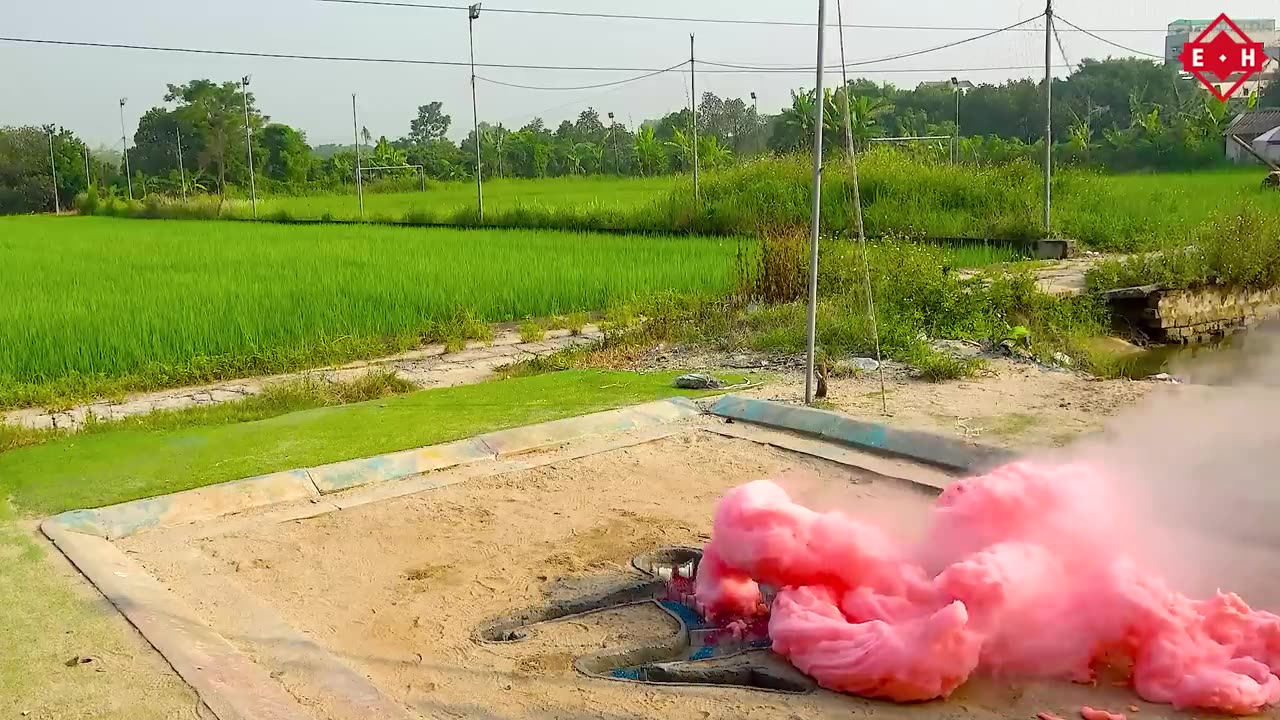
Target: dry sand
(397, 589)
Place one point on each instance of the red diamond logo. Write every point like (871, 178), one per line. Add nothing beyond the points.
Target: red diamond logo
(1224, 51)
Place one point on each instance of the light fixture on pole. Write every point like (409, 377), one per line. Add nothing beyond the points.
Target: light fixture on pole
(53, 166)
(473, 14)
(613, 126)
(248, 141)
(124, 139)
(955, 141)
(755, 119)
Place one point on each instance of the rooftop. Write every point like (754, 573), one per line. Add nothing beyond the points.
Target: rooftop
(1254, 123)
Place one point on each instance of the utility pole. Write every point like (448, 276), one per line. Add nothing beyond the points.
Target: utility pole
(693, 104)
(755, 121)
(88, 179)
(124, 139)
(57, 204)
(355, 131)
(182, 172)
(473, 14)
(248, 141)
(1048, 118)
(815, 220)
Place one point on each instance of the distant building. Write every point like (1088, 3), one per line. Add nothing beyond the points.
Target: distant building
(1259, 128)
(1260, 30)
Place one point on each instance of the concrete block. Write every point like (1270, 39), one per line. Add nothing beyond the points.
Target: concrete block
(130, 518)
(525, 439)
(922, 447)
(352, 473)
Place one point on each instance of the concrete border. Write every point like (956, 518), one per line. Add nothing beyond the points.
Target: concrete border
(936, 450)
(202, 504)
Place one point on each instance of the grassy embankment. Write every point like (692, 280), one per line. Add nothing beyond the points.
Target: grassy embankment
(902, 195)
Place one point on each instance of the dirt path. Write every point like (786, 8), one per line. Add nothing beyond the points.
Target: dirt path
(429, 367)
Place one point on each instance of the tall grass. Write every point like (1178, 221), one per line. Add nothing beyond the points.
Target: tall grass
(95, 304)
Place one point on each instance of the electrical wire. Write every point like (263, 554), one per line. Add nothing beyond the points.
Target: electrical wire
(1095, 36)
(332, 58)
(1061, 49)
(872, 70)
(583, 87)
(889, 58)
(673, 18)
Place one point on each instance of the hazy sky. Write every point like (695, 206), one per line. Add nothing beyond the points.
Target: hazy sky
(79, 87)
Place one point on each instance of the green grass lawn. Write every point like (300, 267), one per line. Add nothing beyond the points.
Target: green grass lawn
(102, 305)
(89, 470)
(500, 195)
(45, 620)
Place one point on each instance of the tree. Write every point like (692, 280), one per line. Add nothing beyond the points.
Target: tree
(713, 154)
(287, 157)
(431, 124)
(26, 178)
(650, 158)
(681, 146)
(795, 127)
(214, 116)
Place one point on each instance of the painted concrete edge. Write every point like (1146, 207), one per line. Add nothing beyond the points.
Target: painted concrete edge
(125, 519)
(201, 504)
(231, 685)
(924, 447)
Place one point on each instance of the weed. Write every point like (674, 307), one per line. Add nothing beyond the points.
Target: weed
(531, 331)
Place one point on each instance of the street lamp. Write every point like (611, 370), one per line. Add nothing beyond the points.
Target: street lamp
(755, 120)
(473, 14)
(955, 141)
(128, 176)
(248, 141)
(612, 127)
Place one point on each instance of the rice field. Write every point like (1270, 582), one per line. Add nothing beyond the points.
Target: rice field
(500, 195)
(167, 302)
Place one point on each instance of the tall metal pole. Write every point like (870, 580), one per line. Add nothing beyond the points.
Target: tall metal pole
(755, 121)
(182, 172)
(693, 104)
(955, 142)
(815, 220)
(248, 141)
(844, 78)
(1048, 118)
(355, 131)
(124, 139)
(473, 13)
(88, 178)
(57, 204)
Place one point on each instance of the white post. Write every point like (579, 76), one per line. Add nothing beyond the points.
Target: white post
(88, 179)
(182, 172)
(815, 220)
(124, 140)
(1048, 118)
(473, 13)
(355, 130)
(693, 103)
(57, 204)
(248, 141)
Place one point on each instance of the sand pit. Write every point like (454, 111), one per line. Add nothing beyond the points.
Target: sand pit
(375, 608)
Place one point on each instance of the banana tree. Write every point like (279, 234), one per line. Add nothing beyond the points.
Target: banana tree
(682, 146)
(648, 151)
(713, 154)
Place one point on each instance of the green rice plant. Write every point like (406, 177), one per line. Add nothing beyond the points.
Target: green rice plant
(137, 305)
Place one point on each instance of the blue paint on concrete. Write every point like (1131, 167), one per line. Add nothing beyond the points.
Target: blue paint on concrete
(687, 615)
(704, 652)
(625, 673)
(945, 452)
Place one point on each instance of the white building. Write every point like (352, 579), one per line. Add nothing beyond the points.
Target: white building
(1260, 129)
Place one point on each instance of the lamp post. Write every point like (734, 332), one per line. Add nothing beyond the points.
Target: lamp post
(473, 14)
(755, 119)
(955, 141)
(248, 141)
(53, 166)
(124, 139)
(613, 127)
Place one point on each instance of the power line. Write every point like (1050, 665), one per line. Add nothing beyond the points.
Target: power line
(332, 58)
(584, 87)
(1109, 42)
(888, 70)
(718, 21)
(1061, 49)
(890, 58)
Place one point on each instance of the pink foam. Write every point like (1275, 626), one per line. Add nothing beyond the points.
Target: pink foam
(1018, 575)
